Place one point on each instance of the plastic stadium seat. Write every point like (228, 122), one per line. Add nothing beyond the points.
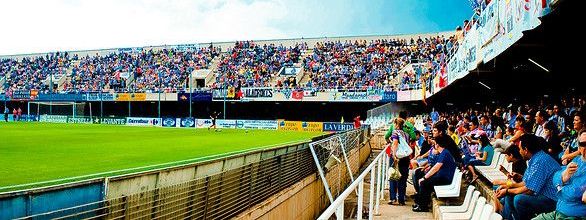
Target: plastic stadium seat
(496, 174)
(496, 216)
(478, 209)
(493, 163)
(452, 190)
(487, 212)
(452, 184)
(467, 206)
(474, 208)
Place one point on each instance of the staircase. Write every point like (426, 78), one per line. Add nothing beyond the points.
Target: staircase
(214, 68)
(306, 75)
(65, 77)
(2, 81)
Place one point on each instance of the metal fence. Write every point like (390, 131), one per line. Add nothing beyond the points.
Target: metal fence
(219, 196)
(331, 157)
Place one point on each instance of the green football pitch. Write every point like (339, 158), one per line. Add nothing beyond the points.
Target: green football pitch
(48, 154)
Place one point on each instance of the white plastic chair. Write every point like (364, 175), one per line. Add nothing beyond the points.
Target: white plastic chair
(452, 184)
(467, 206)
(493, 163)
(460, 208)
(487, 212)
(479, 204)
(453, 190)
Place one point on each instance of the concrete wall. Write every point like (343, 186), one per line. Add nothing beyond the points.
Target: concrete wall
(307, 198)
(32, 202)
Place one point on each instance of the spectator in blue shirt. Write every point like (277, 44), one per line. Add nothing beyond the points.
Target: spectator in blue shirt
(536, 194)
(441, 173)
(560, 119)
(571, 187)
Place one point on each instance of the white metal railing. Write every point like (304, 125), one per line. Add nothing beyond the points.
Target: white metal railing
(377, 169)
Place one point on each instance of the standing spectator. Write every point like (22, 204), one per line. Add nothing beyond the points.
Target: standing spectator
(19, 111)
(407, 127)
(571, 185)
(357, 122)
(403, 164)
(14, 114)
(536, 194)
(6, 111)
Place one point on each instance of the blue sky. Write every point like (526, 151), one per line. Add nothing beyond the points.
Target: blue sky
(35, 26)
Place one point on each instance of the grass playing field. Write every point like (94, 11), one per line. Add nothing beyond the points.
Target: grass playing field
(39, 152)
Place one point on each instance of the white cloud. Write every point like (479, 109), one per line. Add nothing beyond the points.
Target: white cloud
(31, 26)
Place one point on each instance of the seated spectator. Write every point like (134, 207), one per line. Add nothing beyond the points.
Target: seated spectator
(552, 147)
(426, 159)
(504, 143)
(536, 193)
(424, 148)
(440, 130)
(571, 149)
(571, 187)
(481, 158)
(486, 126)
(453, 135)
(520, 130)
(441, 173)
(519, 165)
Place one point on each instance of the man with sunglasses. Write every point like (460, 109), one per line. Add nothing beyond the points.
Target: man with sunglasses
(571, 187)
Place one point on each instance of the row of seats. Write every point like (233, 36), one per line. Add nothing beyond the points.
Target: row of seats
(474, 207)
(492, 172)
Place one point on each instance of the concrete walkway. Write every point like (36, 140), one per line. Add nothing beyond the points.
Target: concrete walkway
(401, 212)
(386, 211)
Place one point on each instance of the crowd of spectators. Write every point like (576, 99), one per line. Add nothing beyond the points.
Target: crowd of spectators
(546, 144)
(152, 70)
(331, 65)
(32, 72)
(374, 64)
(249, 64)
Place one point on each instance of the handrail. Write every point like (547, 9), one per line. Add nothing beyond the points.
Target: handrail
(338, 205)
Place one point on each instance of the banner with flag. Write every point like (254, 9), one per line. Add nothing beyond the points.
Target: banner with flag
(298, 95)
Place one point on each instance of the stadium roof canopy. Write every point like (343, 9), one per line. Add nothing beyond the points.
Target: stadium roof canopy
(520, 72)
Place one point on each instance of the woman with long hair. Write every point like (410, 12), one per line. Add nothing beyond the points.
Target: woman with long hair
(398, 188)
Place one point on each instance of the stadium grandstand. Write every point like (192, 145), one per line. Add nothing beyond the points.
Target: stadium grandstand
(484, 122)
